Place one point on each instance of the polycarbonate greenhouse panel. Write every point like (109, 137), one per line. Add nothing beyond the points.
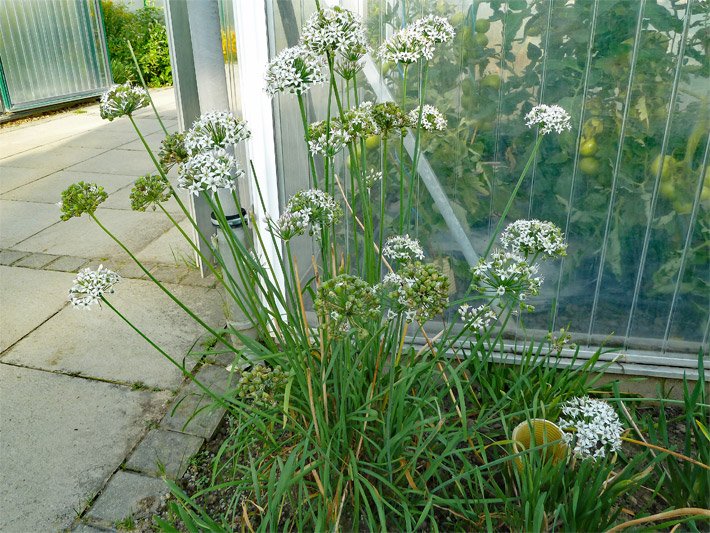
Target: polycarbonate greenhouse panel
(51, 51)
(629, 185)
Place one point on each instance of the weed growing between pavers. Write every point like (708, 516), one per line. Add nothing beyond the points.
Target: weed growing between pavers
(357, 416)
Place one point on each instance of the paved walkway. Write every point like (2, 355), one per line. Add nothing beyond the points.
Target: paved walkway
(79, 390)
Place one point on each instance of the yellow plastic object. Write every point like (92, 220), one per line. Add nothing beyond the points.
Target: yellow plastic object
(545, 432)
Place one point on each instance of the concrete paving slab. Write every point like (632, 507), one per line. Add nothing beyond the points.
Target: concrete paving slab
(171, 247)
(52, 157)
(62, 437)
(29, 297)
(36, 261)
(49, 189)
(21, 220)
(82, 237)
(164, 453)
(8, 257)
(68, 263)
(128, 495)
(99, 344)
(13, 177)
(126, 162)
(154, 140)
(113, 134)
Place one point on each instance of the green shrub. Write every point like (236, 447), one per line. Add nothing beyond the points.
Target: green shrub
(145, 29)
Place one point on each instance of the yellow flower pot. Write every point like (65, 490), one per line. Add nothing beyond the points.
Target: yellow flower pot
(545, 432)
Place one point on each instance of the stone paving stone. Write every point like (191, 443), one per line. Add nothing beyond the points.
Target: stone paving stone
(164, 453)
(171, 247)
(181, 415)
(128, 494)
(29, 297)
(126, 162)
(13, 177)
(68, 263)
(8, 257)
(62, 438)
(52, 157)
(100, 344)
(169, 273)
(36, 261)
(82, 237)
(21, 220)
(194, 277)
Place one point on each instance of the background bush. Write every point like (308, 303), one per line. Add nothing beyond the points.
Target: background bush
(145, 29)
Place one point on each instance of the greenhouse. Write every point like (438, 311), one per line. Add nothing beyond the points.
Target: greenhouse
(355, 265)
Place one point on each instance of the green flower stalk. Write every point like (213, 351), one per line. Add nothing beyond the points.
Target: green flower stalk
(81, 198)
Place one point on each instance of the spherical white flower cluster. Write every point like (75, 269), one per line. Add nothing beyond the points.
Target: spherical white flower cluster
(371, 178)
(293, 70)
(333, 30)
(549, 118)
(408, 45)
(209, 171)
(122, 100)
(417, 40)
(215, 130)
(432, 118)
(597, 428)
(402, 248)
(90, 285)
(436, 29)
(327, 141)
(477, 318)
(507, 276)
(360, 121)
(534, 237)
(312, 209)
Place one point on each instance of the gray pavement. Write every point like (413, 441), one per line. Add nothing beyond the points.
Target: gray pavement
(80, 390)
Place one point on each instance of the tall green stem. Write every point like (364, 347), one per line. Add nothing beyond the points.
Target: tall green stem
(401, 156)
(304, 120)
(424, 72)
(150, 98)
(501, 220)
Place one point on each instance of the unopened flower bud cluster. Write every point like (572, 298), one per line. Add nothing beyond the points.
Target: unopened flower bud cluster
(80, 198)
(261, 385)
(150, 191)
(346, 302)
(419, 290)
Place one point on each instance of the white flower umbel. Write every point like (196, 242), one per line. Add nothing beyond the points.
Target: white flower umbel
(436, 29)
(333, 30)
(408, 45)
(595, 427)
(534, 237)
(360, 121)
(549, 118)
(293, 70)
(209, 171)
(477, 318)
(402, 248)
(508, 276)
(215, 130)
(90, 285)
(432, 118)
(324, 141)
(122, 100)
(308, 210)
(371, 178)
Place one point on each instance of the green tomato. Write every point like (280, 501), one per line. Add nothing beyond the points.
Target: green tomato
(481, 40)
(589, 166)
(588, 147)
(491, 80)
(705, 194)
(372, 142)
(457, 19)
(482, 25)
(668, 164)
(682, 208)
(668, 190)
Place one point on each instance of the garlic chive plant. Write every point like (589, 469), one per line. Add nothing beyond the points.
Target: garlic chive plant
(383, 408)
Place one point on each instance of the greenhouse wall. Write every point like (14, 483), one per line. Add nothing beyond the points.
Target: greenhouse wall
(629, 185)
(51, 52)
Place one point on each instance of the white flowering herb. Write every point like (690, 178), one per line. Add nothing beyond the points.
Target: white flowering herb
(122, 100)
(508, 276)
(593, 427)
(434, 28)
(371, 178)
(209, 171)
(390, 118)
(534, 237)
(432, 118)
(360, 121)
(407, 45)
(294, 70)
(327, 139)
(346, 302)
(402, 248)
(333, 29)
(215, 130)
(477, 318)
(549, 118)
(418, 290)
(308, 210)
(90, 285)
